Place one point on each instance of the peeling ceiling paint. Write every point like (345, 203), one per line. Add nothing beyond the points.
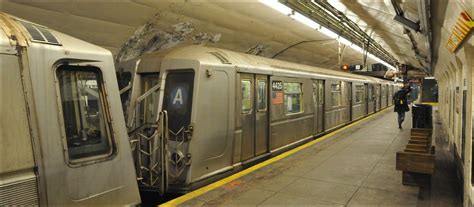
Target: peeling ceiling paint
(150, 37)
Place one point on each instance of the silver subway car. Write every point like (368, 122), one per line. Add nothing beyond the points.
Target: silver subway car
(63, 138)
(196, 113)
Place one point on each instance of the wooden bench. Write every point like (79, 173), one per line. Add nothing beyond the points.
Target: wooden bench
(417, 161)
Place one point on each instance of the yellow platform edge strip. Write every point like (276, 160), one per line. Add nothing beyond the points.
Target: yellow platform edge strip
(430, 103)
(235, 176)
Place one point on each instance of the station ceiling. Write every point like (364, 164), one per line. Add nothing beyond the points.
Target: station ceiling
(131, 27)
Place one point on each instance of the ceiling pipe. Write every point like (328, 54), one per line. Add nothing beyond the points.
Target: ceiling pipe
(400, 15)
(424, 12)
(328, 16)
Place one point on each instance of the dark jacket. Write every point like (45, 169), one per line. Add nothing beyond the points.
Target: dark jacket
(402, 104)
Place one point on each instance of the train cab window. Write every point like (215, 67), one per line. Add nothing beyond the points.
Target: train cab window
(293, 98)
(177, 100)
(262, 95)
(336, 95)
(359, 94)
(83, 103)
(246, 96)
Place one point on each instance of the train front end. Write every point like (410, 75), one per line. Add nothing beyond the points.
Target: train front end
(65, 142)
(159, 110)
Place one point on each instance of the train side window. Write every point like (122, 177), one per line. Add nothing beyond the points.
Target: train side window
(246, 96)
(336, 95)
(359, 94)
(293, 98)
(262, 95)
(86, 127)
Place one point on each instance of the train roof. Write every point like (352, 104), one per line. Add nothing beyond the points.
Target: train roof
(27, 34)
(217, 56)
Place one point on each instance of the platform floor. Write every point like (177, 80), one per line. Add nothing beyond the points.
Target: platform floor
(354, 167)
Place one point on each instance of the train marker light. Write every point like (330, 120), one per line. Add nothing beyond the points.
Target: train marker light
(345, 67)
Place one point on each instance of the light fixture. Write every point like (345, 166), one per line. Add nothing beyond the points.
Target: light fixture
(328, 32)
(276, 5)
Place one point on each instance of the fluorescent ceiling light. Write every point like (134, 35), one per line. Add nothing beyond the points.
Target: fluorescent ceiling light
(344, 41)
(328, 32)
(274, 4)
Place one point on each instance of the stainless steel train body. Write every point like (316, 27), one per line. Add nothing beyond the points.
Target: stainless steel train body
(197, 113)
(63, 138)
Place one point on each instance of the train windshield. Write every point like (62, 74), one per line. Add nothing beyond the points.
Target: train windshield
(83, 108)
(178, 99)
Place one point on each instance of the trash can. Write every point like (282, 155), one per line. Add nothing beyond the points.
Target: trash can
(422, 116)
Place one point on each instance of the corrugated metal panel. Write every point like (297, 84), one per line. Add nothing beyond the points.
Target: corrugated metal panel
(20, 193)
(48, 35)
(35, 34)
(40, 34)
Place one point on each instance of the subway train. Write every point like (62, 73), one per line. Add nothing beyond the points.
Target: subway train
(63, 136)
(196, 114)
(192, 115)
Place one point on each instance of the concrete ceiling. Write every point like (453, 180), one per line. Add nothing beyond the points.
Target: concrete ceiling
(131, 27)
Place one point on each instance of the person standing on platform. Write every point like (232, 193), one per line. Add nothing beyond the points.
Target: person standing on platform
(401, 103)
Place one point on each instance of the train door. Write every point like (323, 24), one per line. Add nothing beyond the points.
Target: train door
(348, 113)
(318, 100)
(254, 115)
(370, 105)
(383, 96)
(261, 114)
(377, 97)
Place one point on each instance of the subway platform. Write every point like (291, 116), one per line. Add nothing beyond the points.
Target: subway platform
(353, 166)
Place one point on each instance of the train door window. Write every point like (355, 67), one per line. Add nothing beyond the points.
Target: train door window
(262, 95)
(321, 92)
(84, 108)
(359, 93)
(246, 96)
(293, 98)
(336, 95)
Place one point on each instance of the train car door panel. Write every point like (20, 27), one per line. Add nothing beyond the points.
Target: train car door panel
(261, 114)
(358, 102)
(318, 101)
(348, 112)
(247, 115)
(254, 115)
(336, 103)
(377, 97)
(370, 98)
(320, 106)
(89, 140)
